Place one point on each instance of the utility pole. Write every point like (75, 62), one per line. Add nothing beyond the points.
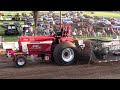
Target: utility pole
(35, 13)
(60, 18)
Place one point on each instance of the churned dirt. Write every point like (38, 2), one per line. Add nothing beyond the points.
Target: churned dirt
(39, 70)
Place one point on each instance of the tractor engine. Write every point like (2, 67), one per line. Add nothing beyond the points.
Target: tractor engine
(33, 46)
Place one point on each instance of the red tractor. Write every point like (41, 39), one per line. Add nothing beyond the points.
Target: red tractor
(59, 47)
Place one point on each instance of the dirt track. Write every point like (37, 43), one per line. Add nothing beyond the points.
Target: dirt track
(52, 71)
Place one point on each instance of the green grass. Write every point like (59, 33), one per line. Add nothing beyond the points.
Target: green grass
(14, 12)
(10, 38)
(13, 38)
(11, 22)
(103, 37)
(102, 13)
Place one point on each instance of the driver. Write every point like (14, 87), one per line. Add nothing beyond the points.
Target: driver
(63, 31)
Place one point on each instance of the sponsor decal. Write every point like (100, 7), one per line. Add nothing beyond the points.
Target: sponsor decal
(36, 47)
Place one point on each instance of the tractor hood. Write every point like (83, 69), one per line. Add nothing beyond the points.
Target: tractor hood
(35, 38)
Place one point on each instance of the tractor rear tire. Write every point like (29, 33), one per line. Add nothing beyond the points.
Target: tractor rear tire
(65, 53)
(20, 61)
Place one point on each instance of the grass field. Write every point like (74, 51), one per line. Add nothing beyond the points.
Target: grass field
(103, 13)
(14, 38)
(14, 12)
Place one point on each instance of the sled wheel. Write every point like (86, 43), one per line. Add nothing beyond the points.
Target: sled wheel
(65, 53)
(20, 61)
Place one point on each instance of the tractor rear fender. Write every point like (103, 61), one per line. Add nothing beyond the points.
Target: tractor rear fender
(79, 44)
(84, 49)
(63, 39)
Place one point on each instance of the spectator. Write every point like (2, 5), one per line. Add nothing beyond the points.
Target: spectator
(31, 30)
(110, 30)
(80, 33)
(99, 34)
(74, 33)
(117, 31)
(93, 33)
(51, 31)
(113, 31)
(23, 31)
(16, 23)
(103, 32)
(47, 31)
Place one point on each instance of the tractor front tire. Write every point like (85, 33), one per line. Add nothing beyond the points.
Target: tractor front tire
(20, 61)
(65, 53)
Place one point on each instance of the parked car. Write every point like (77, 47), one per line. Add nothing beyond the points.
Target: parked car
(11, 29)
(67, 20)
(9, 14)
(27, 22)
(31, 18)
(1, 17)
(105, 21)
(2, 14)
(5, 23)
(40, 19)
(49, 20)
(24, 18)
(114, 21)
(16, 17)
(16, 23)
(9, 17)
(116, 26)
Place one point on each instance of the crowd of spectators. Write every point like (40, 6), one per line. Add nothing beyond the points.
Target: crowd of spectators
(81, 25)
